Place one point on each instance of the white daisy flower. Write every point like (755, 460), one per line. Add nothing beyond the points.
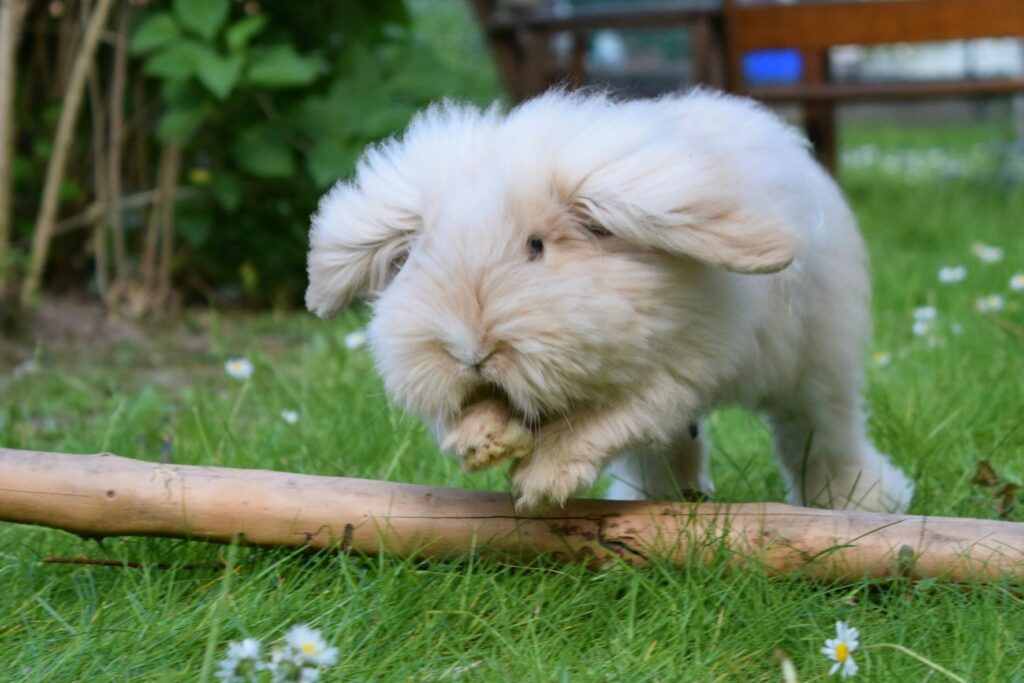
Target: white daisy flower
(922, 327)
(952, 274)
(1017, 282)
(987, 253)
(840, 650)
(290, 416)
(242, 660)
(926, 314)
(992, 303)
(238, 368)
(287, 666)
(957, 329)
(311, 646)
(355, 340)
(882, 358)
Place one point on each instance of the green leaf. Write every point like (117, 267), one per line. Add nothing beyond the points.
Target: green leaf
(202, 17)
(155, 31)
(227, 188)
(242, 31)
(179, 123)
(386, 120)
(330, 160)
(193, 223)
(174, 62)
(219, 73)
(263, 151)
(281, 66)
(70, 191)
(178, 92)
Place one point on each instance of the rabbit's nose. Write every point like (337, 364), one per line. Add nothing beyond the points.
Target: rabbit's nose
(473, 358)
(482, 359)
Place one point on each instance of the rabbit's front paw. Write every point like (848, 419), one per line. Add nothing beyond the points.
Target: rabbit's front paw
(487, 434)
(544, 480)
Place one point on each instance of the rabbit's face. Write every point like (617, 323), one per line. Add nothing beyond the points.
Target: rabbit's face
(551, 256)
(512, 293)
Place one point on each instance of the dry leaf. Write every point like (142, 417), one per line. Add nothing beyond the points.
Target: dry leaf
(985, 475)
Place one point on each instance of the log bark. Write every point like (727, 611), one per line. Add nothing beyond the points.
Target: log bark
(107, 495)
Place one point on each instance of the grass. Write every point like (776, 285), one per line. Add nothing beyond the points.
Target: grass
(939, 406)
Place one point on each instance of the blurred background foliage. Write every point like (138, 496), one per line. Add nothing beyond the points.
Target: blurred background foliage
(232, 117)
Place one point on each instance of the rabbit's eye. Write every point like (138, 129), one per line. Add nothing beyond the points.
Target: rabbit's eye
(535, 248)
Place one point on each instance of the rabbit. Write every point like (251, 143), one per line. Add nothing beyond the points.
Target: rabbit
(576, 282)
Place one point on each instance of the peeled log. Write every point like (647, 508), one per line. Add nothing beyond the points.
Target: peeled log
(107, 495)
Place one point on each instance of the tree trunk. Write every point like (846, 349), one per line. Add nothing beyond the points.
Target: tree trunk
(106, 495)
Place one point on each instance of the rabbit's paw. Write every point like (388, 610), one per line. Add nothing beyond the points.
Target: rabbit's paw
(488, 434)
(543, 480)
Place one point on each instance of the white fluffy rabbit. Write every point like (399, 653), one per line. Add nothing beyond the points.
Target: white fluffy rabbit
(577, 281)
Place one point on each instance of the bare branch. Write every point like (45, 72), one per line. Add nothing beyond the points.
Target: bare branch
(106, 495)
(62, 144)
(118, 80)
(12, 13)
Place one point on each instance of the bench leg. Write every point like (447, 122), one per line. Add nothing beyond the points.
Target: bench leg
(820, 117)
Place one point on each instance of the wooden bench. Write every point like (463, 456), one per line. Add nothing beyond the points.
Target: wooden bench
(521, 41)
(724, 32)
(815, 27)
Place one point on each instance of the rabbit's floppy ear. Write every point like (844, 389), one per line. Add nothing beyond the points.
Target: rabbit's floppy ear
(360, 236)
(736, 239)
(665, 201)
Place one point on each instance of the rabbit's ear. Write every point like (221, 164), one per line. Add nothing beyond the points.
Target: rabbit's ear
(357, 243)
(736, 239)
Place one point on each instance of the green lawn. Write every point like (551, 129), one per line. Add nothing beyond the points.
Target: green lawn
(942, 402)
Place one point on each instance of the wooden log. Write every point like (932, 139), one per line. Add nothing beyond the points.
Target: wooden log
(107, 495)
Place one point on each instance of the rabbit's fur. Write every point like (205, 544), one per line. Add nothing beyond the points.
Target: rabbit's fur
(606, 272)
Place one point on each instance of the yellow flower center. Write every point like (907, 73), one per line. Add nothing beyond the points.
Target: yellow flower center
(842, 652)
(310, 648)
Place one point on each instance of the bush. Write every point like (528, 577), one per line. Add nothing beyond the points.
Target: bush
(269, 103)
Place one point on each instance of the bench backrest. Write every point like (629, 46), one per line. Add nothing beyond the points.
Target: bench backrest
(816, 26)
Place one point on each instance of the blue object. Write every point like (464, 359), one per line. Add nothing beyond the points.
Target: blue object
(772, 66)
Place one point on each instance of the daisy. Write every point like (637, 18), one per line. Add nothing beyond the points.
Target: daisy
(987, 253)
(355, 340)
(242, 660)
(924, 320)
(1017, 282)
(311, 646)
(952, 274)
(882, 358)
(992, 303)
(290, 416)
(840, 650)
(287, 666)
(926, 314)
(238, 368)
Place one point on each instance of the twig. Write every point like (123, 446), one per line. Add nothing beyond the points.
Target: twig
(99, 172)
(166, 206)
(97, 210)
(118, 79)
(125, 564)
(61, 147)
(154, 273)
